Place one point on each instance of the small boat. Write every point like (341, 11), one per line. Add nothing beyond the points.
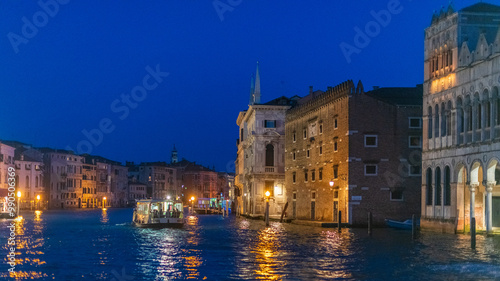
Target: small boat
(407, 224)
(6, 212)
(158, 213)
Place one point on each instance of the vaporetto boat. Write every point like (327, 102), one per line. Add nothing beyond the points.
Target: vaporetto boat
(158, 213)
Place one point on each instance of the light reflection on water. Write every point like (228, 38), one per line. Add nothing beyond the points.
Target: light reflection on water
(99, 244)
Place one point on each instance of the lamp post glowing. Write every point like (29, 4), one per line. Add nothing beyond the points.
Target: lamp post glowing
(104, 202)
(37, 200)
(267, 207)
(192, 203)
(18, 201)
(331, 183)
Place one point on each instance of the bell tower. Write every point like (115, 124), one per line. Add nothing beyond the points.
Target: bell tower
(174, 158)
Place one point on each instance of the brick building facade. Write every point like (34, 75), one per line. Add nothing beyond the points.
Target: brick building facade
(354, 152)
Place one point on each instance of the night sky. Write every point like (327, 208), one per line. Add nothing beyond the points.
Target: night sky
(77, 70)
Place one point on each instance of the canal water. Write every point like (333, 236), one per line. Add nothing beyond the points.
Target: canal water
(103, 245)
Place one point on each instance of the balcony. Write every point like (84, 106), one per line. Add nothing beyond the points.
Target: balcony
(269, 169)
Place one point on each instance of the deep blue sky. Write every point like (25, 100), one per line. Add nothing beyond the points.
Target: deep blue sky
(64, 79)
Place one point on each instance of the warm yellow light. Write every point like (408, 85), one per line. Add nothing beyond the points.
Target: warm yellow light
(268, 193)
(38, 197)
(331, 183)
(104, 198)
(19, 194)
(192, 198)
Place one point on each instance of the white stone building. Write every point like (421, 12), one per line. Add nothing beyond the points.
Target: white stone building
(461, 147)
(260, 163)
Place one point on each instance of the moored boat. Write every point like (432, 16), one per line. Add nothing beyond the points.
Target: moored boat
(158, 213)
(407, 224)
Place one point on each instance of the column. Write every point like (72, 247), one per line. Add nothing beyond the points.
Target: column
(472, 189)
(488, 211)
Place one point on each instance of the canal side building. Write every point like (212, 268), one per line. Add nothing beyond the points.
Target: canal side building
(354, 152)
(260, 163)
(461, 147)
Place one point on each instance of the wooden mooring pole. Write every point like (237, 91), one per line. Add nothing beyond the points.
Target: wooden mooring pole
(473, 233)
(267, 213)
(340, 220)
(369, 223)
(413, 226)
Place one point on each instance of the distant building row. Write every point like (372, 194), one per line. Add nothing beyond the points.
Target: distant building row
(61, 179)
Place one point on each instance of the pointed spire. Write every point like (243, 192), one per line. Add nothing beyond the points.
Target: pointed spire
(252, 89)
(257, 86)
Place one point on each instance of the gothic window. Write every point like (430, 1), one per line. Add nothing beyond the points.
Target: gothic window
(447, 186)
(443, 121)
(429, 125)
(436, 122)
(437, 187)
(428, 187)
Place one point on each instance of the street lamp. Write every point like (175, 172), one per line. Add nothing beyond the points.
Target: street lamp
(331, 183)
(37, 200)
(18, 201)
(104, 202)
(267, 207)
(192, 203)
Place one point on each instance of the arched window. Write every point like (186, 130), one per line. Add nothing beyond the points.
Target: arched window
(479, 116)
(428, 187)
(447, 186)
(429, 125)
(448, 118)
(487, 114)
(436, 122)
(270, 155)
(443, 120)
(469, 121)
(36, 181)
(437, 187)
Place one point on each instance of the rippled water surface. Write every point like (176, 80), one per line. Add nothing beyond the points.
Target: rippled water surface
(103, 245)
